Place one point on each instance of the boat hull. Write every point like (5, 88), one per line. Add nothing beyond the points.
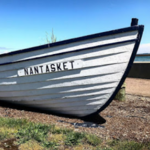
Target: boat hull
(76, 77)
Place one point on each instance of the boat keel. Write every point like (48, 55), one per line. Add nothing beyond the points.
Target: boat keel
(94, 118)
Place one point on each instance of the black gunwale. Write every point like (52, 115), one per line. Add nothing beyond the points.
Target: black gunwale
(91, 116)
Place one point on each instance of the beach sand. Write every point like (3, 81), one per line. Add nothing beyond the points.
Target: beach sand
(137, 86)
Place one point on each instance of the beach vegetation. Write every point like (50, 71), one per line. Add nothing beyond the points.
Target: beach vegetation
(39, 136)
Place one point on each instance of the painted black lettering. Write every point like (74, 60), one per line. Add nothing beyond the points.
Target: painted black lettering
(41, 69)
(64, 65)
(58, 67)
(72, 63)
(31, 71)
(47, 69)
(36, 70)
(26, 71)
(52, 67)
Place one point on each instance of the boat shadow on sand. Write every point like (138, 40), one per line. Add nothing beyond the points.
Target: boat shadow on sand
(84, 124)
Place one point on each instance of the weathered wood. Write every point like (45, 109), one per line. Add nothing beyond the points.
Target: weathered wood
(134, 22)
(121, 95)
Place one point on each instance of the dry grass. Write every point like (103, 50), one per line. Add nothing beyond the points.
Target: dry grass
(31, 145)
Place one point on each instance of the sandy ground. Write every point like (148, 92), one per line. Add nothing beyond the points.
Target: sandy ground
(125, 120)
(138, 86)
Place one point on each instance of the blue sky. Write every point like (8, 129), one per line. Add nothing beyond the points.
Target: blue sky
(24, 23)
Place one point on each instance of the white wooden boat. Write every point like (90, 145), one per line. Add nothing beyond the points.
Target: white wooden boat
(77, 77)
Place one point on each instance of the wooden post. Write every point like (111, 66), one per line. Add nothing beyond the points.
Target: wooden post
(134, 22)
(121, 95)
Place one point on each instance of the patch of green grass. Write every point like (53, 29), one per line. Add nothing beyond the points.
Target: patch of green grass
(74, 138)
(105, 148)
(31, 145)
(147, 145)
(9, 126)
(37, 132)
(128, 145)
(12, 123)
(56, 130)
(6, 133)
(113, 143)
(53, 137)
(93, 140)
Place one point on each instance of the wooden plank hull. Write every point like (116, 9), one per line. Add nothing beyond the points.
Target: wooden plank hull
(75, 77)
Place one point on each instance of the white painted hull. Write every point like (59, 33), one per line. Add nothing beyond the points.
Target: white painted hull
(79, 89)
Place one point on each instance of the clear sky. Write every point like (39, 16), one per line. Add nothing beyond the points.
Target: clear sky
(24, 23)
